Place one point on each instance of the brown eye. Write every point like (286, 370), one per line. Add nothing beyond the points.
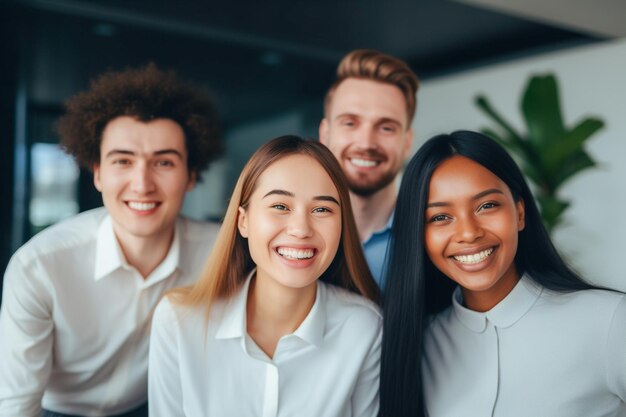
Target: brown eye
(438, 218)
(322, 210)
(488, 205)
(280, 207)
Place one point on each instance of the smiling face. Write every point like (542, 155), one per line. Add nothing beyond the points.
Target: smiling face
(143, 176)
(471, 233)
(367, 130)
(292, 222)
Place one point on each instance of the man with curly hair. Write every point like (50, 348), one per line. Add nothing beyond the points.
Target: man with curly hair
(78, 297)
(368, 113)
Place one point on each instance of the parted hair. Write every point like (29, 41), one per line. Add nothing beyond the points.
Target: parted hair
(230, 262)
(376, 66)
(145, 94)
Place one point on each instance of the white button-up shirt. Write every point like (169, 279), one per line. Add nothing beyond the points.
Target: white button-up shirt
(328, 367)
(537, 353)
(75, 318)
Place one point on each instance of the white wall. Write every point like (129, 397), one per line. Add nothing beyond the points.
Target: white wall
(592, 82)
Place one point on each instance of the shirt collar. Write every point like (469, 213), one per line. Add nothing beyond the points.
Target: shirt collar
(311, 330)
(171, 262)
(385, 229)
(109, 255)
(233, 320)
(506, 313)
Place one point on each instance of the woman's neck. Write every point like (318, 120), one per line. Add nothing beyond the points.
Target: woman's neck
(274, 310)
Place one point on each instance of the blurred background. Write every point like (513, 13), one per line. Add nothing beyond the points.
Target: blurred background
(268, 65)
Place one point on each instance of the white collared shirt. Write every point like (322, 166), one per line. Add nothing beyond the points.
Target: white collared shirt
(75, 318)
(328, 367)
(537, 353)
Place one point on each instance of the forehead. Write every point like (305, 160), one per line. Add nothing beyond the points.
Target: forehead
(460, 177)
(128, 133)
(299, 174)
(368, 98)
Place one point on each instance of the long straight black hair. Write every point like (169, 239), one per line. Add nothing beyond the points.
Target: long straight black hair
(416, 289)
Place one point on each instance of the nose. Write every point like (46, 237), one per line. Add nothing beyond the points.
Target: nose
(142, 181)
(364, 137)
(468, 229)
(299, 225)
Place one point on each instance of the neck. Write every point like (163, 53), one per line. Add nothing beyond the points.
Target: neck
(145, 254)
(274, 311)
(483, 301)
(371, 213)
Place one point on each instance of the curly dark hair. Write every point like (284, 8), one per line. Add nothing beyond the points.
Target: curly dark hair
(146, 94)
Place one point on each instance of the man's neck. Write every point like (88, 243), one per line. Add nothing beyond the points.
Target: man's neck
(372, 213)
(145, 254)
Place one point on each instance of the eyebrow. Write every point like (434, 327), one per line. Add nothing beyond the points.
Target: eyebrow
(114, 152)
(476, 197)
(316, 198)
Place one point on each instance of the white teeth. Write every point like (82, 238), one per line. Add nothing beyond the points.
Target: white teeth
(474, 258)
(136, 205)
(366, 163)
(296, 253)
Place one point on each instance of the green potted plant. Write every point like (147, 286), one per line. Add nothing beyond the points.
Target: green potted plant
(549, 153)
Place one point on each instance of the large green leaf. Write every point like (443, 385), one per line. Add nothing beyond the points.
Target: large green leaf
(572, 166)
(569, 144)
(551, 210)
(484, 105)
(551, 153)
(542, 111)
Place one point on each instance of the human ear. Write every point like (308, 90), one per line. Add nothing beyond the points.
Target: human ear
(408, 142)
(323, 132)
(96, 177)
(521, 215)
(242, 222)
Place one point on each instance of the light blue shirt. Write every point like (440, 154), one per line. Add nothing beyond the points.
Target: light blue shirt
(375, 249)
(536, 353)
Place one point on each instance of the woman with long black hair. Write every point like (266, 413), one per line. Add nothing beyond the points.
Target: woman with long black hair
(482, 317)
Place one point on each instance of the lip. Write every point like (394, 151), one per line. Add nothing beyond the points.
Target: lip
(374, 157)
(479, 266)
(472, 250)
(297, 263)
(157, 204)
(369, 163)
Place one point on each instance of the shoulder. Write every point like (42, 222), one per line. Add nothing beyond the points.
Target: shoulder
(68, 235)
(171, 313)
(593, 303)
(342, 304)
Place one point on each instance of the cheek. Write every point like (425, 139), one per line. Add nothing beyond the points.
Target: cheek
(508, 230)
(335, 235)
(262, 227)
(435, 242)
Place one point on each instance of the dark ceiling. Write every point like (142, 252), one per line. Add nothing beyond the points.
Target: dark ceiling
(260, 58)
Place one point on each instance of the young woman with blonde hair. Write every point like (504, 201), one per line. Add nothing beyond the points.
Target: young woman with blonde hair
(284, 320)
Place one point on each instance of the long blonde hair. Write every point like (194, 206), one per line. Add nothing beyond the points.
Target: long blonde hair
(229, 262)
